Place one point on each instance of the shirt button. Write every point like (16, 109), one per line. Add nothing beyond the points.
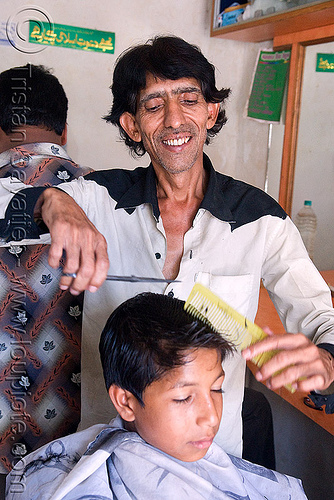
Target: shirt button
(171, 294)
(158, 255)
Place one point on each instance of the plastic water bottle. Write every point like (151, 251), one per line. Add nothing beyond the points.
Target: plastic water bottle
(306, 222)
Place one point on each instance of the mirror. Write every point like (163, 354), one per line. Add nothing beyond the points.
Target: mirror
(314, 167)
(314, 160)
(301, 156)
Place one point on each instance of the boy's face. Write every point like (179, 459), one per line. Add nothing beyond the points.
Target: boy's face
(183, 409)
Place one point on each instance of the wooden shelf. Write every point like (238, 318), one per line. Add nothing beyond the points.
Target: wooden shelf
(268, 27)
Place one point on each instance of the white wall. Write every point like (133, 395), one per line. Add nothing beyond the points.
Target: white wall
(239, 150)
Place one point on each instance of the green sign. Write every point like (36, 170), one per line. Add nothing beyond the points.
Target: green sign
(325, 62)
(266, 98)
(61, 35)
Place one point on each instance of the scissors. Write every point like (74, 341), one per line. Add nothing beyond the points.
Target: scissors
(131, 278)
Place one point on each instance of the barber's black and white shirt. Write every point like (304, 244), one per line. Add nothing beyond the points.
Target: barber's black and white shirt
(239, 237)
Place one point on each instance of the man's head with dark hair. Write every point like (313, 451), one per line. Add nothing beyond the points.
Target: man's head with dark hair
(31, 95)
(165, 58)
(147, 336)
(163, 371)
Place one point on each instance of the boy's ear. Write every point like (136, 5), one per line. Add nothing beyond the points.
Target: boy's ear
(122, 400)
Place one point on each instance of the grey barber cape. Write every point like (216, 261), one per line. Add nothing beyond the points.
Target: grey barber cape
(107, 462)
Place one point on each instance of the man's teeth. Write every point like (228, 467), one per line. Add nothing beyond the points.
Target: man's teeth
(177, 142)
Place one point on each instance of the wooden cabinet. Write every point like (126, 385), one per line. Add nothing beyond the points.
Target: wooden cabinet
(301, 18)
(267, 316)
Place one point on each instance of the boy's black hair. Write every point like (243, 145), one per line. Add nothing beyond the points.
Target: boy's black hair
(31, 95)
(167, 58)
(148, 335)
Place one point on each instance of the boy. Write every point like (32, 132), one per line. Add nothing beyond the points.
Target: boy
(163, 371)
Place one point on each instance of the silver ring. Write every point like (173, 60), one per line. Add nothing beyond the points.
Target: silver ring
(70, 275)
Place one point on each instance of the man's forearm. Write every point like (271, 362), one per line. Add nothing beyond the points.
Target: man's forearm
(18, 222)
(71, 231)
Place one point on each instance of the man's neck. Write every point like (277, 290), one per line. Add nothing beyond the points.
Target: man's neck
(179, 197)
(27, 135)
(182, 186)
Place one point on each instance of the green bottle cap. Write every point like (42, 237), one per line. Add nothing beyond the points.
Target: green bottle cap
(308, 203)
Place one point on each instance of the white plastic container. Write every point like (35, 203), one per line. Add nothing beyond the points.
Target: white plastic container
(306, 222)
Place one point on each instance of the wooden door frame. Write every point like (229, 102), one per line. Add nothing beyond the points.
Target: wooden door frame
(297, 43)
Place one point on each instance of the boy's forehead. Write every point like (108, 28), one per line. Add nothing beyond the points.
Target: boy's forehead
(196, 364)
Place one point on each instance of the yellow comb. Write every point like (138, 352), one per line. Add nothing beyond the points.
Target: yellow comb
(208, 307)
